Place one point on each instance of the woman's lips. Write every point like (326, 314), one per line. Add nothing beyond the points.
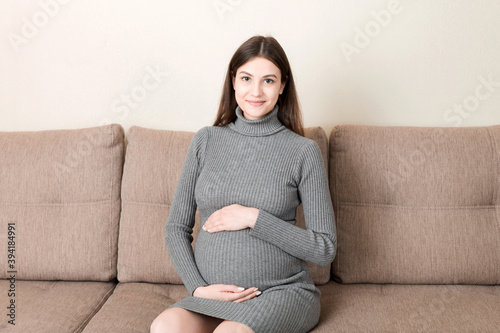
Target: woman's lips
(255, 103)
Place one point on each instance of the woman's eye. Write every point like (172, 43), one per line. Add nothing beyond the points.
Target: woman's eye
(245, 78)
(269, 81)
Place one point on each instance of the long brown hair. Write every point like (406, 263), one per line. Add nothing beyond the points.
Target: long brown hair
(266, 47)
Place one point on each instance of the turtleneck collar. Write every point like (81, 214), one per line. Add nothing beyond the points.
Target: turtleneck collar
(260, 127)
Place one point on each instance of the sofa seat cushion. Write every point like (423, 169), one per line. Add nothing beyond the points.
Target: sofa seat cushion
(60, 189)
(409, 308)
(416, 205)
(53, 306)
(344, 308)
(153, 164)
(133, 306)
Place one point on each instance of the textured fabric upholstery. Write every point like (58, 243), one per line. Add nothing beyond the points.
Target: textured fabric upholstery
(416, 205)
(61, 188)
(54, 306)
(344, 308)
(380, 308)
(133, 306)
(153, 163)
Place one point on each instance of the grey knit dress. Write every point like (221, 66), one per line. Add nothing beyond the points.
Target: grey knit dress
(262, 164)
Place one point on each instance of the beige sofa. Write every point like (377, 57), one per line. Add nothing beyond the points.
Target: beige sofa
(417, 213)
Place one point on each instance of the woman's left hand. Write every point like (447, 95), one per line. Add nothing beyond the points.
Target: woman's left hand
(230, 218)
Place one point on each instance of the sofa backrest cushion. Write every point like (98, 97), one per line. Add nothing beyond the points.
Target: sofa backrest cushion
(60, 195)
(152, 168)
(416, 205)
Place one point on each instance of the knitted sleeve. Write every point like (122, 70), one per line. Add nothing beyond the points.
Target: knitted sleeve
(181, 219)
(318, 242)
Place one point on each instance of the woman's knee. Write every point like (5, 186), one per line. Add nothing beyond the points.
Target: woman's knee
(178, 320)
(169, 321)
(232, 327)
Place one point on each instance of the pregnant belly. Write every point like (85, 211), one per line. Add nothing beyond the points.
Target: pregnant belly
(235, 257)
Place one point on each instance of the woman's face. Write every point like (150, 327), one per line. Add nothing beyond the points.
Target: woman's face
(257, 86)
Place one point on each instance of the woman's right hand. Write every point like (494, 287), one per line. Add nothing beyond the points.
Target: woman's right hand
(225, 292)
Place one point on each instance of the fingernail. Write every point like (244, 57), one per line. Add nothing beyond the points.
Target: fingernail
(241, 289)
(256, 289)
(258, 293)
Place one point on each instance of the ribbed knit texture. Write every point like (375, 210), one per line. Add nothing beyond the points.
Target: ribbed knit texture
(261, 164)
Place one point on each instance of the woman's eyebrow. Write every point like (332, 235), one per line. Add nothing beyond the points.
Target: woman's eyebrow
(245, 73)
(248, 74)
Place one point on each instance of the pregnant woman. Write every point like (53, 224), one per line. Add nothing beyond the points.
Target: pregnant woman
(247, 174)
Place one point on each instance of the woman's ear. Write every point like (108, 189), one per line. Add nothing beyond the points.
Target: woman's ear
(283, 85)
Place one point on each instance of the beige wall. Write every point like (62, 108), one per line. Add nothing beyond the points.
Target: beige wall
(160, 63)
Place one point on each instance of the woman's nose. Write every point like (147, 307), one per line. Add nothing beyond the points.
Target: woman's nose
(256, 89)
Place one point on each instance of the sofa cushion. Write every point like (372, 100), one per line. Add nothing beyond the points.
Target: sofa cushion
(60, 190)
(133, 306)
(152, 168)
(48, 306)
(344, 308)
(416, 205)
(408, 308)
